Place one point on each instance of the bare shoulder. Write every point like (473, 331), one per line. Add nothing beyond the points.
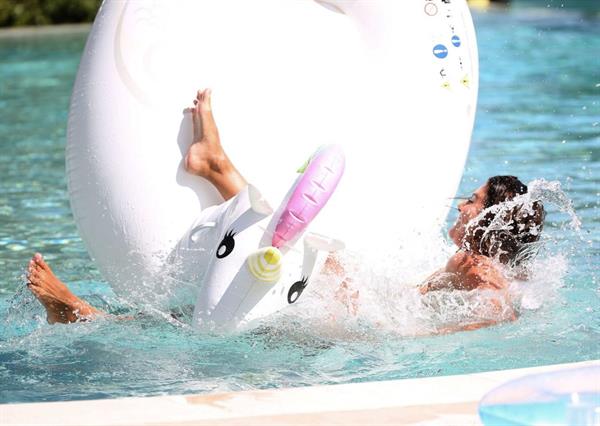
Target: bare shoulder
(475, 271)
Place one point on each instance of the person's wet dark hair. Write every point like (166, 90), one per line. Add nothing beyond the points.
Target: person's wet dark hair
(503, 188)
(507, 233)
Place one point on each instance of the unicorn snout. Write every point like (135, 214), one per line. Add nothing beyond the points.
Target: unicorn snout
(265, 264)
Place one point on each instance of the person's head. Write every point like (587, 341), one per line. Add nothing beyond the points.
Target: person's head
(504, 232)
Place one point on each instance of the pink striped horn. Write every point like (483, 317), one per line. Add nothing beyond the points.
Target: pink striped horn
(314, 188)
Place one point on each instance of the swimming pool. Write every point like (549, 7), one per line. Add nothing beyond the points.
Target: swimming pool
(538, 116)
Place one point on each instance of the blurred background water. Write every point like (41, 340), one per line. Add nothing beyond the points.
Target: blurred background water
(538, 117)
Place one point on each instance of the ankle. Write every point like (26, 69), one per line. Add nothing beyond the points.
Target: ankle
(83, 309)
(229, 182)
(220, 167)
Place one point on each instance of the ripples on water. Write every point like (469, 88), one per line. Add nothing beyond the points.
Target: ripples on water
(538, 117)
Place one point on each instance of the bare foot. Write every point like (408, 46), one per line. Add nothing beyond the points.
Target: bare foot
(61, 305)
(206, 157)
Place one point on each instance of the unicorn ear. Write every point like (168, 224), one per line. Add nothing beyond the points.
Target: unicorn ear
(323, 243)
(257, 202)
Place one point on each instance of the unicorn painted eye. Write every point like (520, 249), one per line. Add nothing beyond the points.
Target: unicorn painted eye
(226, 246)
(296, 290)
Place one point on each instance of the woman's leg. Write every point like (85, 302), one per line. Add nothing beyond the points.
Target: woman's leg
(206, 157)
(61, 305)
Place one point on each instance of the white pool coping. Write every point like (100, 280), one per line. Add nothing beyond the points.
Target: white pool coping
(427, 401)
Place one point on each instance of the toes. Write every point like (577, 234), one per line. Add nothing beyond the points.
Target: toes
(32, 271)
(197, 133)
(39, 261)
(203, 121)
(35, 290)
(37, 257)
(32, 285)
(34, 277)
(203, 97)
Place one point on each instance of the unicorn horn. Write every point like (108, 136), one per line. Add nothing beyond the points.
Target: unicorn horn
(314, 188)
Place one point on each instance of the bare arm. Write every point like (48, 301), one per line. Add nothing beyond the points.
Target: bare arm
(465, 271)
(474, 272)
(439, 280)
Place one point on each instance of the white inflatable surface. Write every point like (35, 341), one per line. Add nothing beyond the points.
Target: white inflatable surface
(394, 82)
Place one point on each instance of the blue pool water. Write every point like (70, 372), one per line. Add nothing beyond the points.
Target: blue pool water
(538, 117)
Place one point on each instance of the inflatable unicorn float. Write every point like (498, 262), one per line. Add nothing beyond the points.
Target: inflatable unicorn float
(257, 262)
(392, 83)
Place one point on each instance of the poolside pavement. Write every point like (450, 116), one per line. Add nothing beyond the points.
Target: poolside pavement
(446, 400)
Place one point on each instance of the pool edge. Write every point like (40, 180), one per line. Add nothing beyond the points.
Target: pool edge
(431, 400)
(44, 30)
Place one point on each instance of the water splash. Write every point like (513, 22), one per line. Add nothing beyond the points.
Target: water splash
(378, 299)
(550, 192)
(362, 331)
(546, 277)
(383, 300)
